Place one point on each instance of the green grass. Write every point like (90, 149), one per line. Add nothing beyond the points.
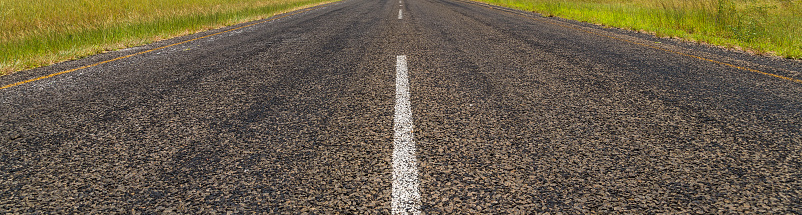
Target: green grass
(36, 33)
(759, 26)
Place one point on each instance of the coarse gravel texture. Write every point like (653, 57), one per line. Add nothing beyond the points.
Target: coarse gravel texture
(521, 115)
(513, 114)
(289, 116)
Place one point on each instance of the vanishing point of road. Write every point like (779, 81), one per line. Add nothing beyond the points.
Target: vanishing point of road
(405, 107)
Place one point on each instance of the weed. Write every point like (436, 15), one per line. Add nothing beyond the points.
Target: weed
(758, 25)
(41, 32)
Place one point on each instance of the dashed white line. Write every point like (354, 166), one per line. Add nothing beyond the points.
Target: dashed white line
(406, 196)
(400, 14)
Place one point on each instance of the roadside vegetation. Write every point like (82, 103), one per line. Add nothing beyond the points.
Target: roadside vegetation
(35, 33)
(759, 26)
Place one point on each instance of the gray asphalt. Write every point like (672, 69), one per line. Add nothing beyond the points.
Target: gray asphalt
(513, 113)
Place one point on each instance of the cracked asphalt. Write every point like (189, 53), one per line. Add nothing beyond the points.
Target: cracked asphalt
(513, 114)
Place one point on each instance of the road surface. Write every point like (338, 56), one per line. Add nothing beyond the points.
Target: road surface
(411, 106)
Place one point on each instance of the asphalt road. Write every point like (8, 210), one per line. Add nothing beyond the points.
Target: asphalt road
(510, 113)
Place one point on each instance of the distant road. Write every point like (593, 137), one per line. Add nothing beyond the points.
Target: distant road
(411, 106)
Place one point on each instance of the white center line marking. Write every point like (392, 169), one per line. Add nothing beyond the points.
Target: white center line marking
(400, 14)
(406, 197)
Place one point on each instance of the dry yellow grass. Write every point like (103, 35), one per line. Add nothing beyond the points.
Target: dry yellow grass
(41, 32)
(762, 26)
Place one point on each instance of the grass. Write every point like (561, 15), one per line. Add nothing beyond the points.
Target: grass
(760, 26)
(36, 33)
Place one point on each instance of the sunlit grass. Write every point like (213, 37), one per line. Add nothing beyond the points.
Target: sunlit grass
(41, 32)
(761, 26)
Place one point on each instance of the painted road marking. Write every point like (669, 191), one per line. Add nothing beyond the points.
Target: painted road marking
(640, 44)
(143, 52)
(400, 14)
(406, 196)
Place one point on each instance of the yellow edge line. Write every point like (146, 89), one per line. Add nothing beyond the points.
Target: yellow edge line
(143, 52)
(654, 47)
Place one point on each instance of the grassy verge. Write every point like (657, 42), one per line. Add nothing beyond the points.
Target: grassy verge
(759, 26)
(42, 32)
